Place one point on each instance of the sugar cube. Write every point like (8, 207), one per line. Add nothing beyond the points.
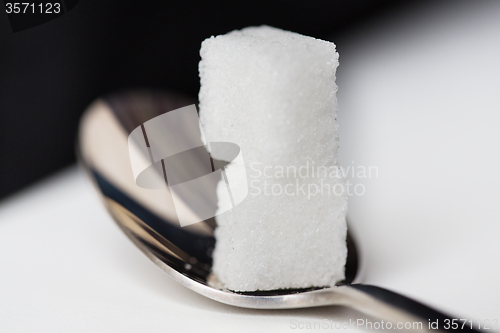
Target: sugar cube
(273, 93)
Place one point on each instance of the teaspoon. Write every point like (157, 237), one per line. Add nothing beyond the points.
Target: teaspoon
(148, 218)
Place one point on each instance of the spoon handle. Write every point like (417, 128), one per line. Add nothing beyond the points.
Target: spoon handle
(398, 309)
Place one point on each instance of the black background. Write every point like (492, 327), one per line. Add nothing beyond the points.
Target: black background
(50, 73)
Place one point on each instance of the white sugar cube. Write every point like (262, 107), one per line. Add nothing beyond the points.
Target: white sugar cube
(273, 93)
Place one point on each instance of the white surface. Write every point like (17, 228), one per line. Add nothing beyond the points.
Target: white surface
(418, 98)
(65, 267)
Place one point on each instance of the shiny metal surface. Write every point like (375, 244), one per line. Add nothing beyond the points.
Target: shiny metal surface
(148, 218)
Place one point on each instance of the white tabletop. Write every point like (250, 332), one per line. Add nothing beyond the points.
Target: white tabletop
(419, 100)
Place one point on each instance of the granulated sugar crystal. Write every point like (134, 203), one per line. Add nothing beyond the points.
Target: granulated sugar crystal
(273, 93)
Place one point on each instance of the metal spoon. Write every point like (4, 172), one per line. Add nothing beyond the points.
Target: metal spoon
(147, 217)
